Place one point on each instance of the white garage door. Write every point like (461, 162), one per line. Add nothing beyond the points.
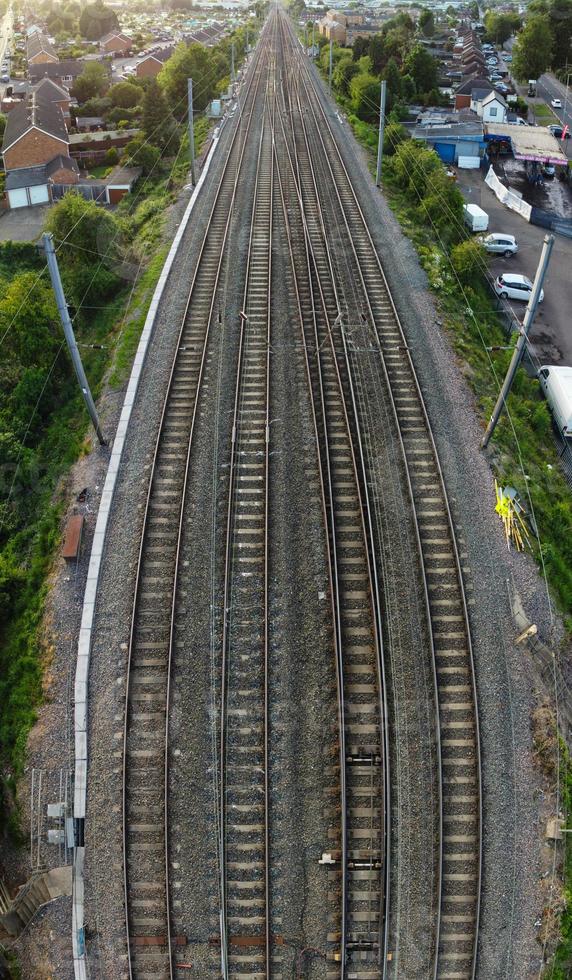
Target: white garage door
(18, 198)
(39, 195)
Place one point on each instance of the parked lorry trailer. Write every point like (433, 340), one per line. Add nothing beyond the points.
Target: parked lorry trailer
(556, 383)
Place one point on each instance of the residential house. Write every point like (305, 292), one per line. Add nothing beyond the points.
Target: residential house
(464, 93)
(48, 91)
(492, 108)
(332, 30)
(35, 133)
(64, 73)
(39, 50)
(116, 43)
(152, 63)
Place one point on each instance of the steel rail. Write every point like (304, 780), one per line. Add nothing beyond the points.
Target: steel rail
(407, 358)
(241, 147)
(231, 520)
(368, 544)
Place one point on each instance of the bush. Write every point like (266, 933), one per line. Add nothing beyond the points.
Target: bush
(468, 259)
(393, 135)
(111, 157)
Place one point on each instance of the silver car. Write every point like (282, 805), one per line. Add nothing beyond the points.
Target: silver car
(500, 244)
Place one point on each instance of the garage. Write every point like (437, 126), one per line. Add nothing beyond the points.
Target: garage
(39, 194)
(27, 187)
(18, 198)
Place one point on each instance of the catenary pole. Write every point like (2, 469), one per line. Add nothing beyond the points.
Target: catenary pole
(232, 63)
(381, 129)
(313, 38)
(191, 130)
(523, 336)
(48, 243)
(331, 62)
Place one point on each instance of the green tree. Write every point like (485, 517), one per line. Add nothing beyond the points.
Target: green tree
(393, 135)
(469, 259)
(89, 240)
(364, 92)
(157, 121)
(141, 154)
(125, 95)
(93, 82)
(196, 62)
(96, 20)
(501, 26)
(343, 73)
(427, 22)
(376, 51)
(423, 69)
(560, 16)
(392, 76)
(532, 52)
(2, 124)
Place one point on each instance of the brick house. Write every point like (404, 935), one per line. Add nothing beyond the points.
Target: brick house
(35, 133)
(464, 93)
(151, 65)
(116, 43)
(39, 50)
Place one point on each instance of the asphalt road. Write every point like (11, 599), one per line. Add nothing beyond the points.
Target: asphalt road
(549, 88)
(551, 335)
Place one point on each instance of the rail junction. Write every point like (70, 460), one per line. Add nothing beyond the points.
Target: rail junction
(399, 869)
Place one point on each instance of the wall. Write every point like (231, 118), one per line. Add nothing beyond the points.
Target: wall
(32, 149)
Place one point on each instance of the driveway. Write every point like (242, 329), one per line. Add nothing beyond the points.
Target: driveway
(23, 224)
(551, 335)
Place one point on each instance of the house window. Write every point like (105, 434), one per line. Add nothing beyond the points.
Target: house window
(493, 110)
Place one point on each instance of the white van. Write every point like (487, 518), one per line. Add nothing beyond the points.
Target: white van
(556, 383)
(475, 218)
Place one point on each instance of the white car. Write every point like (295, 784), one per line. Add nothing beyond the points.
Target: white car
(510, 286)
(499, 244)
(556, 104)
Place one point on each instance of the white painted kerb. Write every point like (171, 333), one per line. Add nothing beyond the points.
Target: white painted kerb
(85, 633)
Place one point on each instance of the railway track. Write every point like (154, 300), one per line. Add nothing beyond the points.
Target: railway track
(459, 770)
(244, 817)
(363, 767)
(149, 939)
(343, 311)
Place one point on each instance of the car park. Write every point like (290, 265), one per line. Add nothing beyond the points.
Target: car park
(512, 286)
(556, 104)
(499, 244)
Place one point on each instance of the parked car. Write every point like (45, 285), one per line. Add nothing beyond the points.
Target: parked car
(511, 286)
(502, 88)
(508, 58)
(519, 122)
(4, 78)
(499, 243)
(558, 132)
(548, 171)
(495, 77)
(556, 104)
